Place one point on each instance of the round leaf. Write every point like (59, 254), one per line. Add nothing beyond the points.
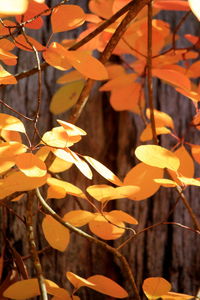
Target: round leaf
(155, 287)
(31, 165)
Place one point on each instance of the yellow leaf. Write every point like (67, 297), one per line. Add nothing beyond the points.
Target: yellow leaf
(29, 288)
(60, 238)
(122, 216)
(11, 136)
(71, 76)
(176, 296)
(8, 122)
(68, 187)
(78, 218)
(161, 118)
(77, 281)
(67, 17)
(105, 230)
(195, 7)
(143, 176)
(166, 182)
(31, 165)
(66, 96)
(107, 286)
(13, 7)
(157, 156)
(103, 171)
(189, 181)
(146, 134)
(155, 287)
(6, 77)
(71, 129)
(87, 65)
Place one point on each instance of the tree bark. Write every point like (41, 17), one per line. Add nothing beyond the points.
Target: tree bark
(166, 250)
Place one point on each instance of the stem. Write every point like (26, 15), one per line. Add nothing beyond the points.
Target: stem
(32, 245)
(149, 74)
(93, 240)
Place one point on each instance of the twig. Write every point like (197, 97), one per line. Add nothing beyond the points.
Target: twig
(136, 6)
(15, 111)
(32, 245)
(178, 27)
(93, 240)
(149, 74)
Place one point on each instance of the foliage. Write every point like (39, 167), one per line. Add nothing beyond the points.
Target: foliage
(113, 27)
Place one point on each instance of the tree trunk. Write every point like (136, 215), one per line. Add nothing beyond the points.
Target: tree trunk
(166, 250)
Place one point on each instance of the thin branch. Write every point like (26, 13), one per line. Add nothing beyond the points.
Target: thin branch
(149, 74)
(178, 27)
(32, 245)
(93, 240)
(15, 111)
(135, 8)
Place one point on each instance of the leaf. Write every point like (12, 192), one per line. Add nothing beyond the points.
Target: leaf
(105, 230)
(98, 283)
(8, 122)
(195, 149)
(157, 156)
(78, 218)
(122, 216)
(146, 134)
(176, 296)
(71, 129)
(65, 97)
(71, 76)
(173, 77)
(6, 30)
(155, 287)
(13, 7)
(119, 82)
(57, 137)
(31, 165)
(193, 95)
(161, 118)
(195, 7)
(107, 286)
(143, 176)
(29, 288)
(27, 43)
(11, 136)
(68, 187)
(60, 238)
(6, 77)
(166, 182)
(103, 171)
(189, 181)
(87, 65)
(55, 56)
(7, 57)
(172, 5)
(67, 17)
(186, 167)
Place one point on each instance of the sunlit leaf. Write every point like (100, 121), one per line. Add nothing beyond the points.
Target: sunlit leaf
(6, 77)
(176, 296)
(68, 187)
(119, 82)
(31, 165)
(172, 5)
(83, 168)
(155, 287)
(143, 176)
(71, 129)
(166, 182)
(60, 238)
(29, 288)
(189, 181)
(123, 216)
(195, 7)
(71, 76)
(9, 136)
(157, 156)
(186, 167)
(78, 281)
(161, 118)
(195, 149)
(147, 135)
(67, 17)
(87, 65)
(173, 77)
(107, 286)
(7, 57)
(8, 122)
(13, 7)
(103, 171)
(78, 218)
(105, 230)
(27, 43)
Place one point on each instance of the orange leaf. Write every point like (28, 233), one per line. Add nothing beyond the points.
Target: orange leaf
(105, 230)
(60, 238)
(67, 17)
(103, 171)
(8, 122)
(6, 45)
(195, 149)
(22, 43)
(146, 134)
(122, 216)
(172, 5)
(78, 218)
(6, 30)
(31, 165)
(11, 136)
(101, 8)
(173, 77)
(7, 57)
(161, 118)
(193, 95)
(119, 82)
(176, 296)
(71, 129)
(186, 167)
(195, 7)
(87, 65)
(71, 76)
(194, 70)
(157, 156)
(55, 56)
(68, 187)
(107, 286)
(143, 176)
(78, 281)
(155, 287)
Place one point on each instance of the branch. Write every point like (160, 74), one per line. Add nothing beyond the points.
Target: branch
(93, 240)
(135, 8)
(32, 245)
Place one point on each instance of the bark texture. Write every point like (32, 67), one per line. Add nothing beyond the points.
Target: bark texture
(167, 251)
